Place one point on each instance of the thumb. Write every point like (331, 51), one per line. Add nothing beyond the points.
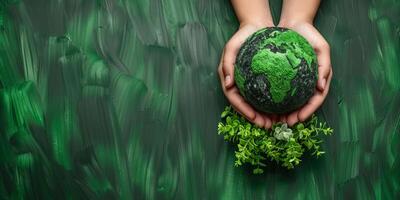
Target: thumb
(228, 65)
(324, 64)
(323, 74)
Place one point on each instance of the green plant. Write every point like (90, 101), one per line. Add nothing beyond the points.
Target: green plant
(280, 144)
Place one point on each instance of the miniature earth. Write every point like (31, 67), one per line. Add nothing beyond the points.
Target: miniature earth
(276, 70)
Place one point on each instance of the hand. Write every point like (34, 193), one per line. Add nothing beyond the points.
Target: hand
(321, 47)
(226, 75)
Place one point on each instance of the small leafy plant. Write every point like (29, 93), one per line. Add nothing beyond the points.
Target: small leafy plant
(281, 144)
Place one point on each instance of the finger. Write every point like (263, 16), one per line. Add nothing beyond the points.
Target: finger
(258, 120)
(233, 95)
(293, 118)
(267, 120)
(282, 118)
(315, 101)
(229, 59)
(274, 118)
(221, 74)
(231, 50)
(237, 100)
(312, 105)
(268, 123)
(238, 111)
(219, 69)
(324, 63)
(323, 73)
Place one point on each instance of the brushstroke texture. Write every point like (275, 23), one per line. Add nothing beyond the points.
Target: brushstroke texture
(119, 99)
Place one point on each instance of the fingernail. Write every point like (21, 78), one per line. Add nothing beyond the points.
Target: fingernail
(227, 80)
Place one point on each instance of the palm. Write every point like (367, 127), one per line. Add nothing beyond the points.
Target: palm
(226, 69)
(321, 48)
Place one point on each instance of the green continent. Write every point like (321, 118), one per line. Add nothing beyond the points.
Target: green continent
(295, 45)
(278, 71)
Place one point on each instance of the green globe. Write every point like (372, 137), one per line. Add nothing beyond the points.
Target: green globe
(276, 70)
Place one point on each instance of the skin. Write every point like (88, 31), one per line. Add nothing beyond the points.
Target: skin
(252, 17)
(297, 15)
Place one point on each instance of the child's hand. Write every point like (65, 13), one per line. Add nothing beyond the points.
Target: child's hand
(321, 47)
(226, 74)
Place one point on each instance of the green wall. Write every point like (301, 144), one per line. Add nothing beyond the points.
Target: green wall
(113, 99)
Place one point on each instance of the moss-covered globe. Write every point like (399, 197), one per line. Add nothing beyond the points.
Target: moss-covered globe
(276, 70)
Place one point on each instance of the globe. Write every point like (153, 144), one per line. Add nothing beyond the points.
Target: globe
(276, 70)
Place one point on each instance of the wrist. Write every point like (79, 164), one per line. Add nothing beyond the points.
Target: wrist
(290, 23)
(257, 23)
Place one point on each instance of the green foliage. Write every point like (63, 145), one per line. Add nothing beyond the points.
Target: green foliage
(280, 144)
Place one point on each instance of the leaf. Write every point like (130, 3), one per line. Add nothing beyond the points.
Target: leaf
(224, 114)
(300, 126)
(255, 144)
(258, 171)
(319, 153)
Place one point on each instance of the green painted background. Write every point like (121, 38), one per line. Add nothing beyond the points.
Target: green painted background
(113, 99)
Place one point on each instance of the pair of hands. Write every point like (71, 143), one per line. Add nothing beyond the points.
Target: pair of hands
(226, 75)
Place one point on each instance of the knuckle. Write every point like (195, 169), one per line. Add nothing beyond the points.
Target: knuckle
(220, 69)
(228, 68)
(326, 70)
(325, 45)
(251, 118)
(229, 45)
(232, 44)
(322, 45)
